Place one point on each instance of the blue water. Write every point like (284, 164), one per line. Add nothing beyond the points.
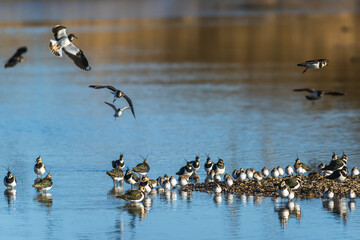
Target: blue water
(199, 85)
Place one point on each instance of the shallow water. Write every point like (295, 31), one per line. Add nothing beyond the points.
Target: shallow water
(216, 82)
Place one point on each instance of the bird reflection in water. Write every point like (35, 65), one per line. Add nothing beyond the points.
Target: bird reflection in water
(45, 199)
(285, 211)
(351, 205)
(185, 195)
(135, 209)
(11, 195)
(217, 199)
(337, 207)
(116, 191)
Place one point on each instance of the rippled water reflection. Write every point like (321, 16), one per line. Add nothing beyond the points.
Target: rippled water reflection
(220, 84)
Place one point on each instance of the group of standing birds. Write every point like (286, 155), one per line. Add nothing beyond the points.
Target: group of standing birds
(336, 170)
(40, 183)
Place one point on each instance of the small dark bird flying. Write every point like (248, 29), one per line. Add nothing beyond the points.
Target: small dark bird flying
(17, 57)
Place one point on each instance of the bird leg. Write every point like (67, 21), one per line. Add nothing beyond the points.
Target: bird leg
(305, 70)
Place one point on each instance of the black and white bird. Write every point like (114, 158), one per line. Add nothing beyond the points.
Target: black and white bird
(118, 111)
(314, 64)
(10, 180)
(317, 94)
(16, 58)
(117, 94)
(186, 170)
(63, 42)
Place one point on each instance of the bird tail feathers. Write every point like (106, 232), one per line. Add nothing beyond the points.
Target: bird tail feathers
(55, 49)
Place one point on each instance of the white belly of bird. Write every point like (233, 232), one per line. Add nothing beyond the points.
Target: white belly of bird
(249, 175)
(341, 178)
(131, 181)
(284, 192)
(217, 178)
(242, 176)
(300, 171)
(229, 182)
(173, 182)
(314, 65)
(281, 171)
(118, 113)
(265, 173)
(274, 174)
(46, 189)
(117, 178)
(12, 184)
(183, 182)
(39, 171)
(147, 188)
(289, 171)
(220, 170)
(217, 189)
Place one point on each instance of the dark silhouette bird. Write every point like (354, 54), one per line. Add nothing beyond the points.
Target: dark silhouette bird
(63, 42)
(17, 57)
(117, 94)
(314, 64)
(317, 94)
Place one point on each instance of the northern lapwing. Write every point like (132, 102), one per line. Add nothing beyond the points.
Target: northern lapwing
(117, 94)
(118, 111)
(314, 64)
(219, 167)
(120, 163)
(186, 170)
(16, 58)
(209, 164)
(196, 163)
(116, 175)
(338, 175)
(44, 184)
(293, 183)
(131, 178)
(134, 196)
(39, 167)
(63, 42)
(10, 180)
(142, 168)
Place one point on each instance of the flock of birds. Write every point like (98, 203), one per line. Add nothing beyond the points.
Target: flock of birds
(336, 169)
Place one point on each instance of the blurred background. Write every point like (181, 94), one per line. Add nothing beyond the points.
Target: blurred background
(205, 76)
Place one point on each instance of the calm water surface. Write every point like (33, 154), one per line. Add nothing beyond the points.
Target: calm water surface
(216, 82)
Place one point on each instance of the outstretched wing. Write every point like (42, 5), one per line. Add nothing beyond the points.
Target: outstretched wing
(59, 32)
(20, 51)
(113, 107)
(103, 86)
(125, 108)
(335, 93)
(310, 90)
(130, 103)
(77, 56)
